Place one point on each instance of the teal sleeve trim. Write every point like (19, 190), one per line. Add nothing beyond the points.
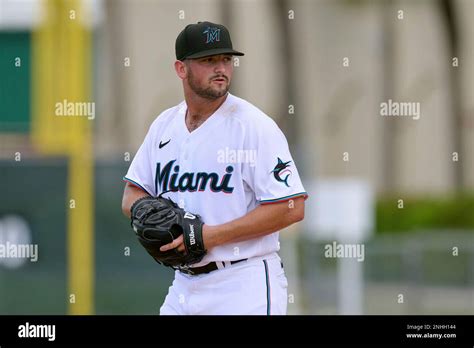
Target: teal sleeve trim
(282, 199)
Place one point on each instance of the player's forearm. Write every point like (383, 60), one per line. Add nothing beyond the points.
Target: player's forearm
(261, 221)
(130, 194)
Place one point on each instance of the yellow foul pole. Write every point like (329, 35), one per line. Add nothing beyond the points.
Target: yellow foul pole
(61, 125)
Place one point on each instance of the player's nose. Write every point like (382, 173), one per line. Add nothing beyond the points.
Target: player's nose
(220, 66)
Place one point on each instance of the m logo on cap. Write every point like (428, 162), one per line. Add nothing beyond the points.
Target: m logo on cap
(213, 34)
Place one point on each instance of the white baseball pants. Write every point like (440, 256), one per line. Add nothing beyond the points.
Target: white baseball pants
(257, 286)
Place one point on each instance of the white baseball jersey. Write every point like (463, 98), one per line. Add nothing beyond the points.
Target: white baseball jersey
(237, 159)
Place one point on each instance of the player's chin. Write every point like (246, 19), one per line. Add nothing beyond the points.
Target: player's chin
(224, 87)
(219, 92)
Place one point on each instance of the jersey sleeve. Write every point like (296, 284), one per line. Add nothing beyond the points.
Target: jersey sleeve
(274, 177)
(140, 172)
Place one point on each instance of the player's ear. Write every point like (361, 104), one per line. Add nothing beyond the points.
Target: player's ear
(180, 68)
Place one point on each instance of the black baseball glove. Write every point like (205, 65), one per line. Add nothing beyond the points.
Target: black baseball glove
(159, 221)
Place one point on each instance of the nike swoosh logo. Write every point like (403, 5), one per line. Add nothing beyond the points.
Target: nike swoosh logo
(163, 144)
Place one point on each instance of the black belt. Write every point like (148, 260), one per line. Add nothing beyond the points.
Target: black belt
(210, 267)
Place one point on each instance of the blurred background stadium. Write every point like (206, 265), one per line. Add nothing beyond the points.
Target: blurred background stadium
(403, 187)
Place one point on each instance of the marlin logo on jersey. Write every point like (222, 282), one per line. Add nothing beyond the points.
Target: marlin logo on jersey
(280, 169)
(169, 179)
(213, 34)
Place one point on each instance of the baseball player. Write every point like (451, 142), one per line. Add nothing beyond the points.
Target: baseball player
(225, 161)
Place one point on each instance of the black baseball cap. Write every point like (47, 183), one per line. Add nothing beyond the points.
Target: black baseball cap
(204, 39)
